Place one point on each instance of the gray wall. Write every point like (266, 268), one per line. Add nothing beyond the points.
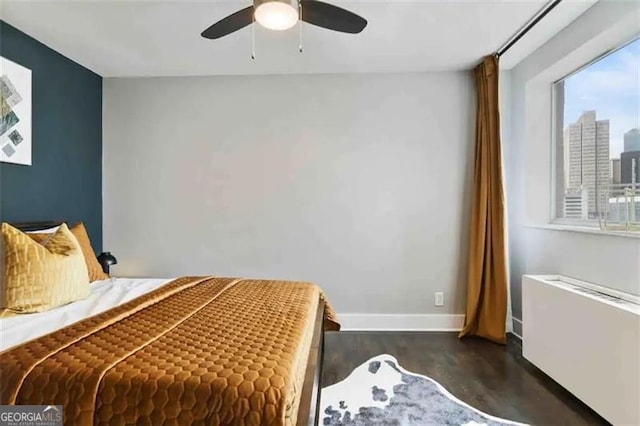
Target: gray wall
(358, 183)
(536, 248)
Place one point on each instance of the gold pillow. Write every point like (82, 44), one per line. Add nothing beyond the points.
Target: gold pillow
(40, 277)
(93, 267)
(80, 232)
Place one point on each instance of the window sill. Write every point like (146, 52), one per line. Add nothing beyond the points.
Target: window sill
(585, 230)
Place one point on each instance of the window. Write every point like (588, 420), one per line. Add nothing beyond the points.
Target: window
(597, 152)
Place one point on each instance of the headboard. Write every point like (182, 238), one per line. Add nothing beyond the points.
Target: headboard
(34, 226)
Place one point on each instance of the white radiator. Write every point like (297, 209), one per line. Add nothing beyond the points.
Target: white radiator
(587, 338)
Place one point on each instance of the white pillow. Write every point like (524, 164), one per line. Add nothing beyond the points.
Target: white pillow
(44, 231)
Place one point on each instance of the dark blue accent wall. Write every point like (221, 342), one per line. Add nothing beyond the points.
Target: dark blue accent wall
(64, 181)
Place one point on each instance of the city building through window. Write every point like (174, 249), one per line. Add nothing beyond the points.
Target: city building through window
(597, 136)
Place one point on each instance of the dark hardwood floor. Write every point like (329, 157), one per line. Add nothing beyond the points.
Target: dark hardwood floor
(493, 378)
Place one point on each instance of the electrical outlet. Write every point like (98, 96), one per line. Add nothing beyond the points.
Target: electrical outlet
(439, 298)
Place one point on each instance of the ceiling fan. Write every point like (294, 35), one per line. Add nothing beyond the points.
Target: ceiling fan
(283, 14)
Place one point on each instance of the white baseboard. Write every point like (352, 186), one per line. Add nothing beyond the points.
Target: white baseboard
(517, 333)
(401, 322)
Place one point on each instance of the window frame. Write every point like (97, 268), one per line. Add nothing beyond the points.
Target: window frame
(553, 206)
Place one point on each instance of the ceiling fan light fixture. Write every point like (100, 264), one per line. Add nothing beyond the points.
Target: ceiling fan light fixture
(276, 15)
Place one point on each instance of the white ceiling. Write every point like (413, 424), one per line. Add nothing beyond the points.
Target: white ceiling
(162, 38)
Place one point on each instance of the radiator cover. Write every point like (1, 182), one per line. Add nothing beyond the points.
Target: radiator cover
(585, 337)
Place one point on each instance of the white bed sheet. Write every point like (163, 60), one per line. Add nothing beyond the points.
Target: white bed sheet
(105, 294)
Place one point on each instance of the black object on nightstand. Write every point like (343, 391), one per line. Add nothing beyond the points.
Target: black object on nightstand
(106, 259)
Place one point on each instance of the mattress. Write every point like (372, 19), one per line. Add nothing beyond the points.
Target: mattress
(194, 350)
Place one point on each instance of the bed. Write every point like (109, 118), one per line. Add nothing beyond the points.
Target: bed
(190, 350)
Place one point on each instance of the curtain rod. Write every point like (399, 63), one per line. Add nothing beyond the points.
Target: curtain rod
(528, 26)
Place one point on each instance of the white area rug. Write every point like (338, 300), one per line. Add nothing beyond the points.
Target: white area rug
(381, 392)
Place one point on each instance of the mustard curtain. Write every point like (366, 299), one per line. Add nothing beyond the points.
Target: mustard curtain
(487, 280)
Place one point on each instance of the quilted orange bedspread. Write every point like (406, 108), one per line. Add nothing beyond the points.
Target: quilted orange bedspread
(199, 350)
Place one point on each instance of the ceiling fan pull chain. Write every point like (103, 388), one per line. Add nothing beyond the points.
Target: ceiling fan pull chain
(253, 37)
(300, 25)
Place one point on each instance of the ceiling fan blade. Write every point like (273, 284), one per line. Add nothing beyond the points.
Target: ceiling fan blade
(231, 23)
(326, 15)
